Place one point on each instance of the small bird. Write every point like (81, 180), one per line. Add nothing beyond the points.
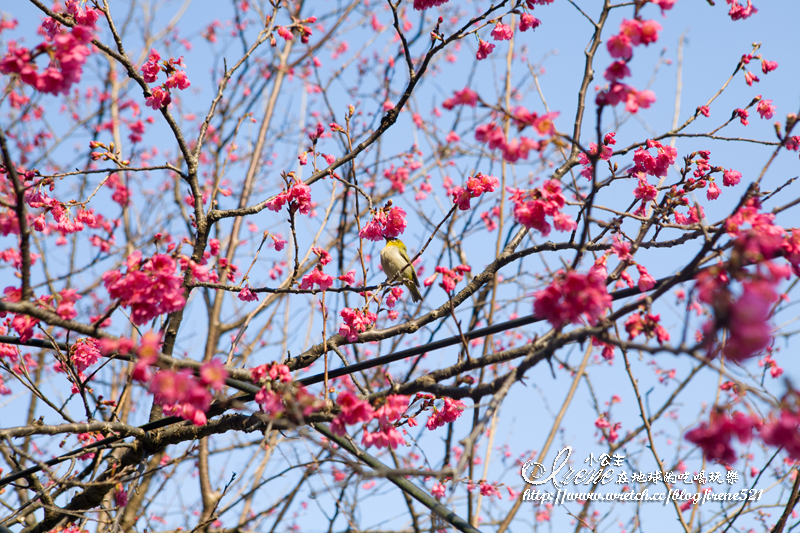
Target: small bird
(394, 257)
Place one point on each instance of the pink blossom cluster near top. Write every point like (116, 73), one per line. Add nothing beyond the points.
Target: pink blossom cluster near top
(149, 289)
(176, 79)
(531, 208)
(67, 52)
(420, 5)
(476, 185)
(631, 33)
(388, 222)
(298, 196)
(571, 297)
(355, 321)
(739, 11)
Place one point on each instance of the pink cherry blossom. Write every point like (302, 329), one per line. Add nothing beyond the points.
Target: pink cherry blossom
(484, 49)
(465, 96)
(731, 177)
(355, 321)
(502, 32)
(765, 109)
(572, 297)
(714, 438)
(528, 22)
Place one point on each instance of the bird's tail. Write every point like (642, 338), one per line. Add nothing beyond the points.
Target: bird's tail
(415, 294)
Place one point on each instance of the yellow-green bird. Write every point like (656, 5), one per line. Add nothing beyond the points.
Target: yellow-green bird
(394, 257)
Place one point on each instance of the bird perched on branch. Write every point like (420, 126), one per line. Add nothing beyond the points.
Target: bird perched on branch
(394, 258)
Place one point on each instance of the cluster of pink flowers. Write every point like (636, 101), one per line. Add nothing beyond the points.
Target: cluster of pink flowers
(571, 297)
(353, 411)
(388, 222)
(451, 410)
(62, 221)
(274, 371)
(387, 435)
(531, 208)
(465, 96)
(605, 154)
(298, 402)
(740, 12)
(181, 394)
(149, 289)
(355, 321)
(783, 431)
(476, 185)
(147, 352)
(489, 490)
(84, 354)
(67, 52)
(246, 295)
(613, 430)
(450, 277)
(658, 165)
(318, 277)
(747, 316)
(515, 149)
(714, 438)
(647, 324)
(298, 196)
(421, 5)
(398, 178)
(485, 49)
(632, 33)
(176, 79)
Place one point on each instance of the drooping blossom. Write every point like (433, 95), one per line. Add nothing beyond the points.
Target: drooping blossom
(484, 49)
(783, 431)
(502, 32)
(451, 410)
(714, 438)
(246, 295)
(528, 22)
